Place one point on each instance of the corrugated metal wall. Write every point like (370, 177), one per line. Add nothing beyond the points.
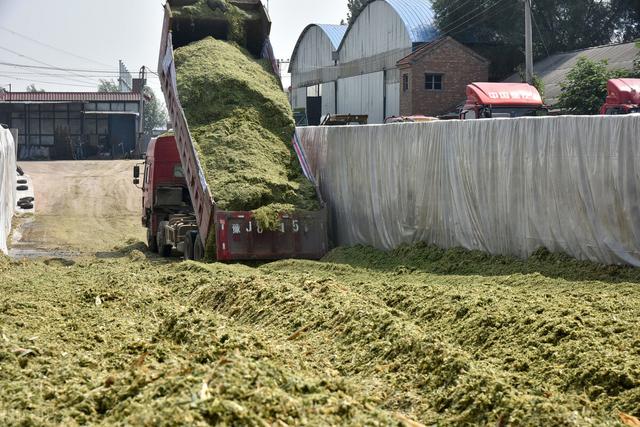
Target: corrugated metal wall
(377, 30)
(313, 53)
(362, 95)
(329, 98)
(299, 98)
(392, 93)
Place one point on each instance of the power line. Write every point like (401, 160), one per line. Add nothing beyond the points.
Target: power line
(64, 76)
(51, 67)
(538, 29)
(484, 11)
(479, 8)
(45, 82)
(50, 46)
(450, 30)
(38, 61)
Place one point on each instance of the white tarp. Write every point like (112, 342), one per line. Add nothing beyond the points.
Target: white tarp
(7, 185)
(503, 186)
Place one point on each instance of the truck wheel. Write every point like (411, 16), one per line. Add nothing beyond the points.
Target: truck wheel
(163, 249)
(189, 240)
(198, 248)
(152, 243)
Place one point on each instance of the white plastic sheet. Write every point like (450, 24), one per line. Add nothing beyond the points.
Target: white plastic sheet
(7, 185)
(503, 186)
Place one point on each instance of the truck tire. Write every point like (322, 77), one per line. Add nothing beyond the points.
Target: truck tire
(189, 240)
(22, 187)
(152, 243)
(198, 248)
(163, 249)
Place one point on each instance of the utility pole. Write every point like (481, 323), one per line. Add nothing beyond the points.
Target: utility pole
(528, 43)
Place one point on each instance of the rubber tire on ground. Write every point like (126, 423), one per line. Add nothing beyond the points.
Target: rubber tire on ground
(189, 240)
(26, 206)
(22, 187)
(163, 250)
(152, 243)
(22, 181)
(198, 248)
(26, 199)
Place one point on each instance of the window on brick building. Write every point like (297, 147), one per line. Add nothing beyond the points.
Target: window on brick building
(405, 82)
(433, 81)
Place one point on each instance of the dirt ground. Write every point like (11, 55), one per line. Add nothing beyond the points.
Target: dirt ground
(82, 207)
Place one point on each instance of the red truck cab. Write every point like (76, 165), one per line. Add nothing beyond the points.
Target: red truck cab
(623, 97)
(494, 100)
(165, 196)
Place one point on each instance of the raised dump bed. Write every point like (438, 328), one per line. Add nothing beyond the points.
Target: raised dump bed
(223, 234)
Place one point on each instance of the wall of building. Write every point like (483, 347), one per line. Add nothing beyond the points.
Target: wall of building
(365, 72)
(369, 82)
(458, 68)
(90, 125)
(362, 95)
(313, 53)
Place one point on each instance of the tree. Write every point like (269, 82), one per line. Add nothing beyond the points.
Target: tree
(585, 88)
(628, 18)
(32, 88)
(636, 63)
(495, 28)
(108, 86)
(154, 113)
(355, 7)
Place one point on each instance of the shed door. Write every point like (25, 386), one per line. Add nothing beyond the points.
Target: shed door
(122, 129)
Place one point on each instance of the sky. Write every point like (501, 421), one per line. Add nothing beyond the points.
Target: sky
(90, 36)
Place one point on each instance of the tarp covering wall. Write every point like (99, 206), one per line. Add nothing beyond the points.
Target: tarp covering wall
(7, 185)
(503, 186)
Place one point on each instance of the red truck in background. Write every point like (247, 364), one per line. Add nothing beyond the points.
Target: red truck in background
(623, 97)
(494, 100)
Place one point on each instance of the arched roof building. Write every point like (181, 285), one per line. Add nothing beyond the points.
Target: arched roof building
(313, 63)
(359, 74)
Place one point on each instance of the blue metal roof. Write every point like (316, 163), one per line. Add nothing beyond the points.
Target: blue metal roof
(334, 32)
(419, 18)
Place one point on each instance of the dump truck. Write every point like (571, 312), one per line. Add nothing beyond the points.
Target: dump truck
(179, 208)
(495, 100)
(623, 97)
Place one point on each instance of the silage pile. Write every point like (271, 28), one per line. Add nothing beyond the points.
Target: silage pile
(242, 125)
(364, 338)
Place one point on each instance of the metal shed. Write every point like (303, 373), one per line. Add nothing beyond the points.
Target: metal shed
(73, 125)
(313, 70)
(361, 76)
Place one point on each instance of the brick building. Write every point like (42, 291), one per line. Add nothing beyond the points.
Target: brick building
(433, 78)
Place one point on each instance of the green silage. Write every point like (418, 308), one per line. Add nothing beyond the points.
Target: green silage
(242, 124)
(363, 338)
(216, 11)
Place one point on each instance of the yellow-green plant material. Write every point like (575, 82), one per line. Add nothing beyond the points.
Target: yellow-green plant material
(242, 124)
(214, 12)
(363, 338)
